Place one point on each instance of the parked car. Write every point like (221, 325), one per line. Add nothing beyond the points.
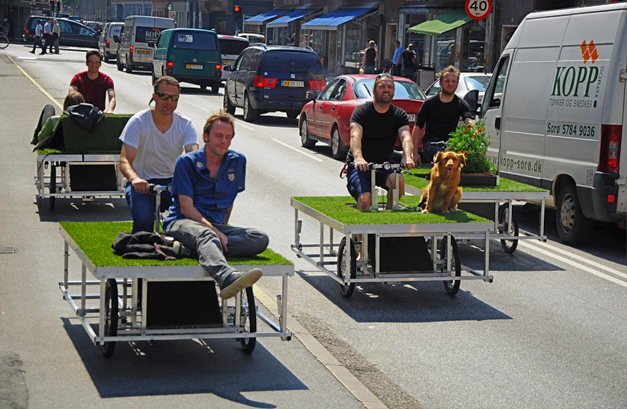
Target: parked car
(253, 38)
(468, 81)
(106, 44)
(72, 33)
(327, 118)
(190, 55)
(272, 78)
(231, 47)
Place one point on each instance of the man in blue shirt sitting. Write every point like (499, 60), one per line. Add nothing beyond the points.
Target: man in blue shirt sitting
(204, 187)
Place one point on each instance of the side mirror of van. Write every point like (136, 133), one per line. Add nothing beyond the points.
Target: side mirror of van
(471, 98)
(310, 95)
(116, 38)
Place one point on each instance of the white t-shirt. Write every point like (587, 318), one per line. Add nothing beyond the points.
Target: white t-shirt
(156, 151)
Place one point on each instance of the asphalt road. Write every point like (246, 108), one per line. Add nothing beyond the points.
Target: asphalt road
(549, 332)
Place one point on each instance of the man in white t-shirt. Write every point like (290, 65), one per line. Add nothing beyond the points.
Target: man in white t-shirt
(152, 141)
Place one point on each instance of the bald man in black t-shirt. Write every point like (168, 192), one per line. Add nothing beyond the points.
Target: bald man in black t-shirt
(375, 126)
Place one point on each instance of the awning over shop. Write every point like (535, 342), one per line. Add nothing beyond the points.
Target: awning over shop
(259, 19)
(297, 14)
(442, 23)
(332, 20)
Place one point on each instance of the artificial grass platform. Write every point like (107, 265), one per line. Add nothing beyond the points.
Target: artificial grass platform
(417, 180)
(95, 239)
(342, 209)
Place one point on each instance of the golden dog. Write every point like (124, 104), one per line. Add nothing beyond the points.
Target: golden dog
(443, 193)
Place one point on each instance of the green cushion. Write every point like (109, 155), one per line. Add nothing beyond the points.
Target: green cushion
(103, 139)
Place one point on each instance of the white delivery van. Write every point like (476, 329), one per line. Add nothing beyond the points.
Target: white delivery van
(556, 113)
(139, 35)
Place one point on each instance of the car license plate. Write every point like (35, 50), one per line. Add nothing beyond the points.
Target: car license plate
(411, 117)
(193, 66)
(143, 51)
(293, 84)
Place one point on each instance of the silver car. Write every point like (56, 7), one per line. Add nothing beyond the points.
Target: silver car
(468, 81)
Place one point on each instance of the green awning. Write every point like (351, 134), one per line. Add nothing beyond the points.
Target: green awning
(442, 24)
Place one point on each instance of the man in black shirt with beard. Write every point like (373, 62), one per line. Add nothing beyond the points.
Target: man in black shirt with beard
(441, 114)
(375, 126)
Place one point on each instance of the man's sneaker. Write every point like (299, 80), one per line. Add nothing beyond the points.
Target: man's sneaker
(180, 250)
(237, 281)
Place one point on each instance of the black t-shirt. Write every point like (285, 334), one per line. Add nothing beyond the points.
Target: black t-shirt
(371, 54)
(380, 131)
(441, 118)
(407, 56)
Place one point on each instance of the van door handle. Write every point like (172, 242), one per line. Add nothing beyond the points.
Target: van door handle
(497, 123)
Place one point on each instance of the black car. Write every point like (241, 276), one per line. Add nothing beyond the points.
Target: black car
(272, 78)
(72, 32)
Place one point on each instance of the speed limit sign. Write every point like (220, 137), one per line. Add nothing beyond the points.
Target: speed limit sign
(478, 9)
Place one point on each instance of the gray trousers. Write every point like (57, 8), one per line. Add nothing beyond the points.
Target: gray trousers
(243, 242)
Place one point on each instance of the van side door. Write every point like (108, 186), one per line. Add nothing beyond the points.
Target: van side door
(492, 108)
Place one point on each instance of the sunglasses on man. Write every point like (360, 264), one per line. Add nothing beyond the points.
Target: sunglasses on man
(165, 97)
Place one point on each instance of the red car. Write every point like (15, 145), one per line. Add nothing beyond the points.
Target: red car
(327, 118)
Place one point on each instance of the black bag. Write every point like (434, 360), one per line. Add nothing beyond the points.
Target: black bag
(86, 115)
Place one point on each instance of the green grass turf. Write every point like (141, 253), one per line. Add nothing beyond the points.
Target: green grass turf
(505, 185)
(342, 209)
(95, 239)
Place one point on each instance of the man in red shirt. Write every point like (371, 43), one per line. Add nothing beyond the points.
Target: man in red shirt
(94, 85)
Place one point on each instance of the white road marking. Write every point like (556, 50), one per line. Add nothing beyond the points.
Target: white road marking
(296, 150)
(576, 264)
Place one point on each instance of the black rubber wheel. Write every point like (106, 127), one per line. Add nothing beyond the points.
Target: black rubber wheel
(118, 62)
(215, 88)
(572, 226)
(4, 42)
(509, 246)
(250, 114)
(228, 107)
(129, 67)
(292, 114)
(249, 320)
(451, 287)
(346, 290)
(52, 186)
(338, 150)
(111, 316)
(305, 140)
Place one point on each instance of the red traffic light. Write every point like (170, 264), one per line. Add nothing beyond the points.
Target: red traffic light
(237, 9)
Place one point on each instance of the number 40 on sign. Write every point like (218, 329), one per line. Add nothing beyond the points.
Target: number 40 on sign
(478, 9)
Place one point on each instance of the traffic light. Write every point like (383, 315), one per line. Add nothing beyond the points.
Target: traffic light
(237, 12)
(53, 5)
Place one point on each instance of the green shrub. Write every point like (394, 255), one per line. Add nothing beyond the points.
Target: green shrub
(473, 142)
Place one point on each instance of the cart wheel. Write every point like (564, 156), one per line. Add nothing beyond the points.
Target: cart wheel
(111, 316)
(249, 320)
(52, 186)
(451, 287)
(346, 290)
(508, 245)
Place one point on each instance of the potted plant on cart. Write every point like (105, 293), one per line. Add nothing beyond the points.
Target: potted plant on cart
(473, 142)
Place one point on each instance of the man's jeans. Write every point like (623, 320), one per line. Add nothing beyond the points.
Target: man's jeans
(243, 242)
(143, 205)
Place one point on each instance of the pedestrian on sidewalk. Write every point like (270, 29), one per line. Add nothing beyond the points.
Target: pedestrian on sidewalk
(39, 33)
(56, 35)
(47, 35)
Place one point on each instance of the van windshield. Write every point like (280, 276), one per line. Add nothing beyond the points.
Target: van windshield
(232, 47)
(145, 34)
(195, 41)
(292, 61)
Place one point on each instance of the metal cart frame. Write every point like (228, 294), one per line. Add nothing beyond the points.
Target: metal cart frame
(446, 266)
(129, 322)
(53, 180)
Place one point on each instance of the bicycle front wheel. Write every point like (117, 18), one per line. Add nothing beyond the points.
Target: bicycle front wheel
(4, 42)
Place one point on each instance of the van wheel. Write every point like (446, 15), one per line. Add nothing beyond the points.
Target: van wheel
(228, 107)
(338, 149)
(292, 114)
(572, 226)
(106, 59)
(119, 64)
(250, 114)
(215, 88)
(129, 67)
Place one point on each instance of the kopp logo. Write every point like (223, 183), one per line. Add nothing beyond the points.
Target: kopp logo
(589, 52)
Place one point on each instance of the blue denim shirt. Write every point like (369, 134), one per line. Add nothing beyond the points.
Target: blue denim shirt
(212, 197)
